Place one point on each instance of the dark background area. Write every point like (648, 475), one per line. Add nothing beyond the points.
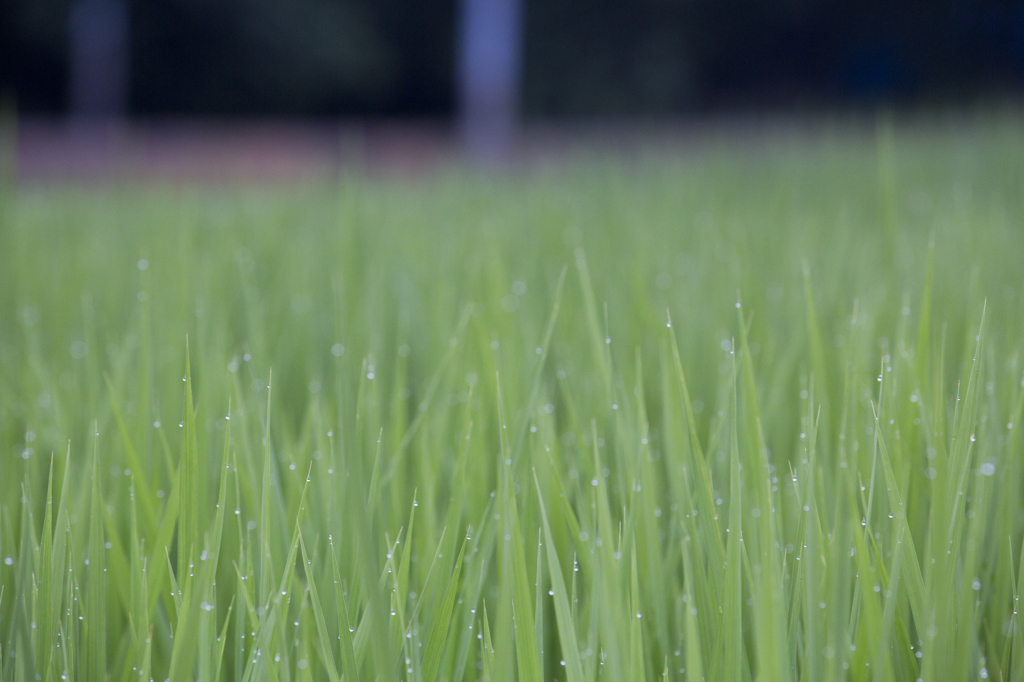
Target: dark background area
(602, 59)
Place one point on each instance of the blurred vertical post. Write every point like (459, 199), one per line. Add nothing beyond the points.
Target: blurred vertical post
(489, 61)
(99, 58)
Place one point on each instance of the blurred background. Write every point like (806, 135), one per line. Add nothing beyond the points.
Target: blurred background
(411, 78)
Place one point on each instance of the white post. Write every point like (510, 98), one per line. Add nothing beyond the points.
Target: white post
(488, 70)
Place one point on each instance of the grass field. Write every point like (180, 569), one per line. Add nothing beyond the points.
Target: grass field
(443, 428)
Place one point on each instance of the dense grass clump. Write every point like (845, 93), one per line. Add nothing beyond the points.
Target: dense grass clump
(744, 415)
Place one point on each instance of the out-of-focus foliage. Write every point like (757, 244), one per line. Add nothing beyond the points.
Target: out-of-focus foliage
(592, 59)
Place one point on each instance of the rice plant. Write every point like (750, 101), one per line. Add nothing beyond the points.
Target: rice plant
(744, 414)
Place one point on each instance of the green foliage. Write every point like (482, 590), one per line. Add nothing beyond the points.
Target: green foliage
(810, 471)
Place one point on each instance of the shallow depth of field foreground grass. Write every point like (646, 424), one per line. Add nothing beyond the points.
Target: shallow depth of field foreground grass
(444, 429)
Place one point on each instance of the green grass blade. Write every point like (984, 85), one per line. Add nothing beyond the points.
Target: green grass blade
(731, 634)
(318, 615)
(45, 623)
(912, 568)
(636, 642)
(526, 645)
(695, 463)
(694, 658)
(882, 658)
(439, 627)
(349, 669)
(222, 641)
(563, 613)
(96, 600)
(188, 473)
(266, 577)
(538, 605)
